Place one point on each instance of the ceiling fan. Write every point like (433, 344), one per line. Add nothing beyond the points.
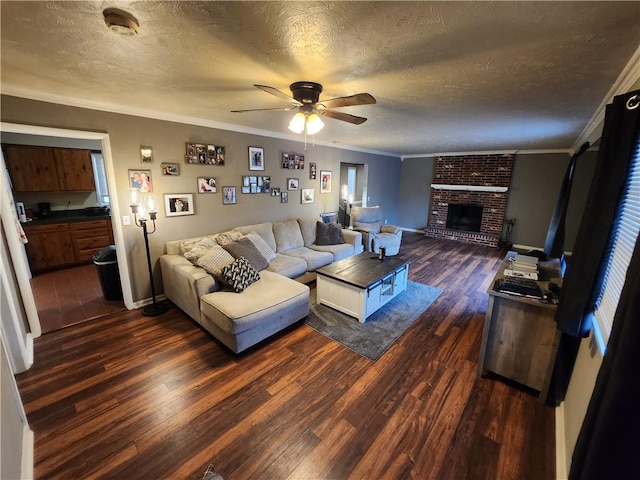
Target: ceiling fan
(306, 100)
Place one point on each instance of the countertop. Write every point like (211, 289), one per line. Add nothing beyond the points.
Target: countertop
(66, 216)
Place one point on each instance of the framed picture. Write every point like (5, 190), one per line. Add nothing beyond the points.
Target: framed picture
(285, 160)
(146, 154)
(176, 204)
(215, 155)
(284, 197)
(246, 189)
(292, 184)
(266, 184)
(141, 180)
(256, 158)
(312, 171)
(172, 169)
(275, 192)
(228, 195)
(207, 185)
(307, 195)
(325, 181)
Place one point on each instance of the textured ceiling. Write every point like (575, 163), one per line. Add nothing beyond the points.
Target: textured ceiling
(448, 76)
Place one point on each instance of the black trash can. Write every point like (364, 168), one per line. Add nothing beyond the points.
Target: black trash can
(107, 264)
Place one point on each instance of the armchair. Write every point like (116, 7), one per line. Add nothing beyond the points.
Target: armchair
(375, 234)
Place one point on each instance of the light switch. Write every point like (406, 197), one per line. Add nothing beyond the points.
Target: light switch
(126, 220)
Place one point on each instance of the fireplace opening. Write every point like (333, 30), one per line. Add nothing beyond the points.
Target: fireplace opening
(464, 217)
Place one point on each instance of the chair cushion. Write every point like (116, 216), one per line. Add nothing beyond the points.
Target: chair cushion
(373, 227)
(288, 266)
(308, 230)
(313, 258)
(328, 233)
(239, 274)
(265, 230)
(246, 249)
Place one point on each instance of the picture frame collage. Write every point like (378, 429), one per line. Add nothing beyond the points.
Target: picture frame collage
(255, 184)
(201, 154)
(293, 161)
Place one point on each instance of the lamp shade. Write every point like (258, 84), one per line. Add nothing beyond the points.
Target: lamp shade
(314, 124)
(296, 124)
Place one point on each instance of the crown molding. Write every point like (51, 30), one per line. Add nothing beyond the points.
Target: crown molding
(171, 117)
(456, 154)
(625, 81)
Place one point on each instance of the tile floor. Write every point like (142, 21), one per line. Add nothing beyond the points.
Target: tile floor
(70, 296)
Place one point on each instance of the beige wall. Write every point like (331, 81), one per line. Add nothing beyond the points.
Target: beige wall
(127, 133)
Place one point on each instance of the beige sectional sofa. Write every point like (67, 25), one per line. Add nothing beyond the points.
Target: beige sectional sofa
(278, 299)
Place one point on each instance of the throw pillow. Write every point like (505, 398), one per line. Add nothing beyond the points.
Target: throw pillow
(262, 246)
(192, 250)
(215, 260)
(227, 237)
(245, 248)
(239, 274)
(329, 234)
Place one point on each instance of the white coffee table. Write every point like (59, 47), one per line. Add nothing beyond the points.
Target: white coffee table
(361, 284)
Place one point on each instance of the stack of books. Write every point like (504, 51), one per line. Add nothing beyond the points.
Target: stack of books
(522, 266)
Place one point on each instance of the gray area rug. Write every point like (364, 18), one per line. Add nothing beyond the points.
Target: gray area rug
(372, 338)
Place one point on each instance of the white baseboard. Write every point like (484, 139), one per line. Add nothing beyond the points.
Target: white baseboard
(148, 301)
(561, 451)
(416, 230)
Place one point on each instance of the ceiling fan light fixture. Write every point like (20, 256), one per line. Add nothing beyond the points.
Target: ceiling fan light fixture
(121, 22)
(297, 123)
(314, 124)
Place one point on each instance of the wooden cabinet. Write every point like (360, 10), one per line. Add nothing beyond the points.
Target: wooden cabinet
(49, 246)
(90, 237)
(47, 169)
(62, 244)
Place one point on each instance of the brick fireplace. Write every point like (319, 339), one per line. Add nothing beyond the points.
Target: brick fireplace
(470, 180)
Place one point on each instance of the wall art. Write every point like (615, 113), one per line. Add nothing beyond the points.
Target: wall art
(207, 185)
(177, 204)
(228, 195)
(146, 154)
(325, 181)
(172, 169)
(292, 184)
(141, 180)
(307, 195)
(256, 158)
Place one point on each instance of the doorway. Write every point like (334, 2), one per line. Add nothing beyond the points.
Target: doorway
(20, 268)
(353, 189)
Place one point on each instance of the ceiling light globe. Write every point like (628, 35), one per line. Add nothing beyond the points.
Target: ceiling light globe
(296, 124)
(314, 124)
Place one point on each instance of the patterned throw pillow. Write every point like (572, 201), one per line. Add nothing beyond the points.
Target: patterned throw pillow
(245, 248)
(240, 274)
(262, 246)
(329, 234)
(215, 260)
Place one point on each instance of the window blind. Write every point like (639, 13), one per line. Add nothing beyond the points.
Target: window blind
(625, 235)
(100, 178)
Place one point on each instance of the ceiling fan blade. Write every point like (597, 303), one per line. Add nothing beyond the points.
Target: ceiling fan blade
(284, 109)
(277, 93)
(351, 100)
(345, 117)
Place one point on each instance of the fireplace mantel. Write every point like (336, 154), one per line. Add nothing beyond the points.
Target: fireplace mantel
(469, 188)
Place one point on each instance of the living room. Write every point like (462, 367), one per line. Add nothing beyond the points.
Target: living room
(397, 180)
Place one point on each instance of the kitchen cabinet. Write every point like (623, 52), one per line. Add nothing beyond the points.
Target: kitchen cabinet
(90, 237)
(48, 169)
(55, 245)
(49, 246)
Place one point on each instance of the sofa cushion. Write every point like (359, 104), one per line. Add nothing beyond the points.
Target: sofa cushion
(287, 266)
(225, 238)
(239, 274)
(262, 246)
(265, 230)
(368, 227)
(244, 248)
(214, 260)
(308, 230)
(339, 252)
(328, 234)
(192, 250)
(287, 235)
(313, 258)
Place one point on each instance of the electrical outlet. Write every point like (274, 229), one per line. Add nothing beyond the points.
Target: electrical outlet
(126, 220)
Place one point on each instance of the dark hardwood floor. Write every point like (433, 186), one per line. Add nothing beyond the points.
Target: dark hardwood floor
(134, 397)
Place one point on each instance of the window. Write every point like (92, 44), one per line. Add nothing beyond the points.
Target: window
(622, 245)
(100, 177)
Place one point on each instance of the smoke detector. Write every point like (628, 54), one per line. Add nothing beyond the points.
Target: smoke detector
(121, 22)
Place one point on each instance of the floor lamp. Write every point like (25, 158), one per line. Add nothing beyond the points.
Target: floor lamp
(139, 216)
